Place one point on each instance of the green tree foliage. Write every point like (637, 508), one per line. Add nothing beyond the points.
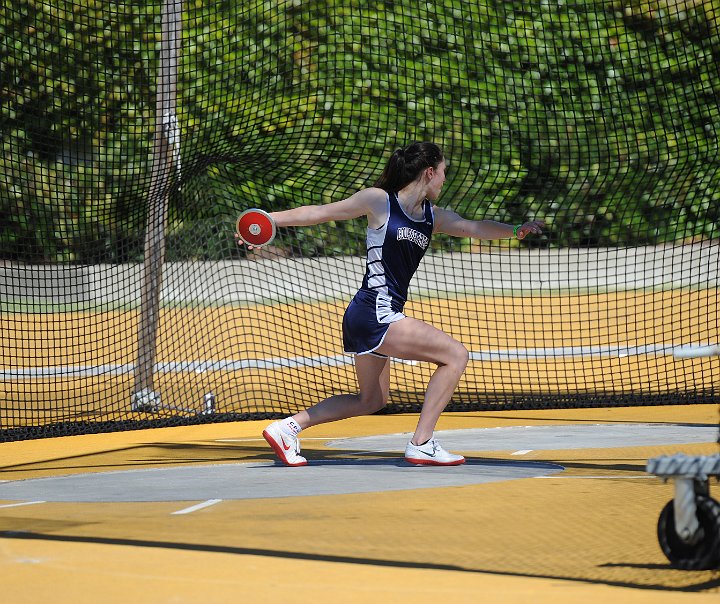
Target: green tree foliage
(77, 82)
(600, 117)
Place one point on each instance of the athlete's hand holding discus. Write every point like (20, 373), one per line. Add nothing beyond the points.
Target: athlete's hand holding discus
(255, 228)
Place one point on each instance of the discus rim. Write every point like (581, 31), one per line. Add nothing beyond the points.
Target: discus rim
(252, 239)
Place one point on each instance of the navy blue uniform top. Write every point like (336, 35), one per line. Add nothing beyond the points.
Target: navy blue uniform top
(394, 252)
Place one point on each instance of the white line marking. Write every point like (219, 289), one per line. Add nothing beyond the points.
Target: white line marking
(199, 506)
(321, 437)
(17, 505)
(326, 361)
(572, 351)
(251, 440)
(522, 452)
(239, 440)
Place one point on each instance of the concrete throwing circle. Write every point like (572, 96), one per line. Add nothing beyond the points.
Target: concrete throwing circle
(543, 438)
(258, 480)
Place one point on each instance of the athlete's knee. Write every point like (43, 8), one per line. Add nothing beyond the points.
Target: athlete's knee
(459, 356)
(370, 403)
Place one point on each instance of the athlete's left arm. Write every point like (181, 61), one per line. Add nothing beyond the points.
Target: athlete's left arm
(451, 223)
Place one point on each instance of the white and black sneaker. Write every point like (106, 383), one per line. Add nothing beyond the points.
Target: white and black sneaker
(431, 454)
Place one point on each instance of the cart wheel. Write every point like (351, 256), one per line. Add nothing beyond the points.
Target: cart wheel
(703, 555)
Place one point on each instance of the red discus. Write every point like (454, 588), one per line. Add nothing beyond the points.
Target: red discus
(256, 227)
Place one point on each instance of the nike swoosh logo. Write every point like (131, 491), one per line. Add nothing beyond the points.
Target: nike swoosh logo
(428, 454)
(284, 445)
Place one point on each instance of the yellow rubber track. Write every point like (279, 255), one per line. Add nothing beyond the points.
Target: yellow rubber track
(586, 534)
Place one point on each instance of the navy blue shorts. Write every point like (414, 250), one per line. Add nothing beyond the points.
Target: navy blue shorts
(366, 321)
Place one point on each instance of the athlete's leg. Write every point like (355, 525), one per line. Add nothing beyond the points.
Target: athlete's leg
(373, 375)
(415, 340)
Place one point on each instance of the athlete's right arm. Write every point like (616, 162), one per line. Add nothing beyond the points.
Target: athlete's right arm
(370, 202)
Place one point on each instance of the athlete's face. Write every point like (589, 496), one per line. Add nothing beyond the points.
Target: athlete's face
(436, 180)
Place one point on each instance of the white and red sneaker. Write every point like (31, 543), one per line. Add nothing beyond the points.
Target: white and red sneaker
(286, 446)
(431, 454)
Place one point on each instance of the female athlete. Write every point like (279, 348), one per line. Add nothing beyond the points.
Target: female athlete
(401, 220)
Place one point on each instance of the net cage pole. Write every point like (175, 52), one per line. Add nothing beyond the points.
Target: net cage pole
(165, 158)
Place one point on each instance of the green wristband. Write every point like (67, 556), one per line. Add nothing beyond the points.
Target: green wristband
(515, 230)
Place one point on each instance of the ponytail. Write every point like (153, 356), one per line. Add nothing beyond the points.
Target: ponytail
(405, 165)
